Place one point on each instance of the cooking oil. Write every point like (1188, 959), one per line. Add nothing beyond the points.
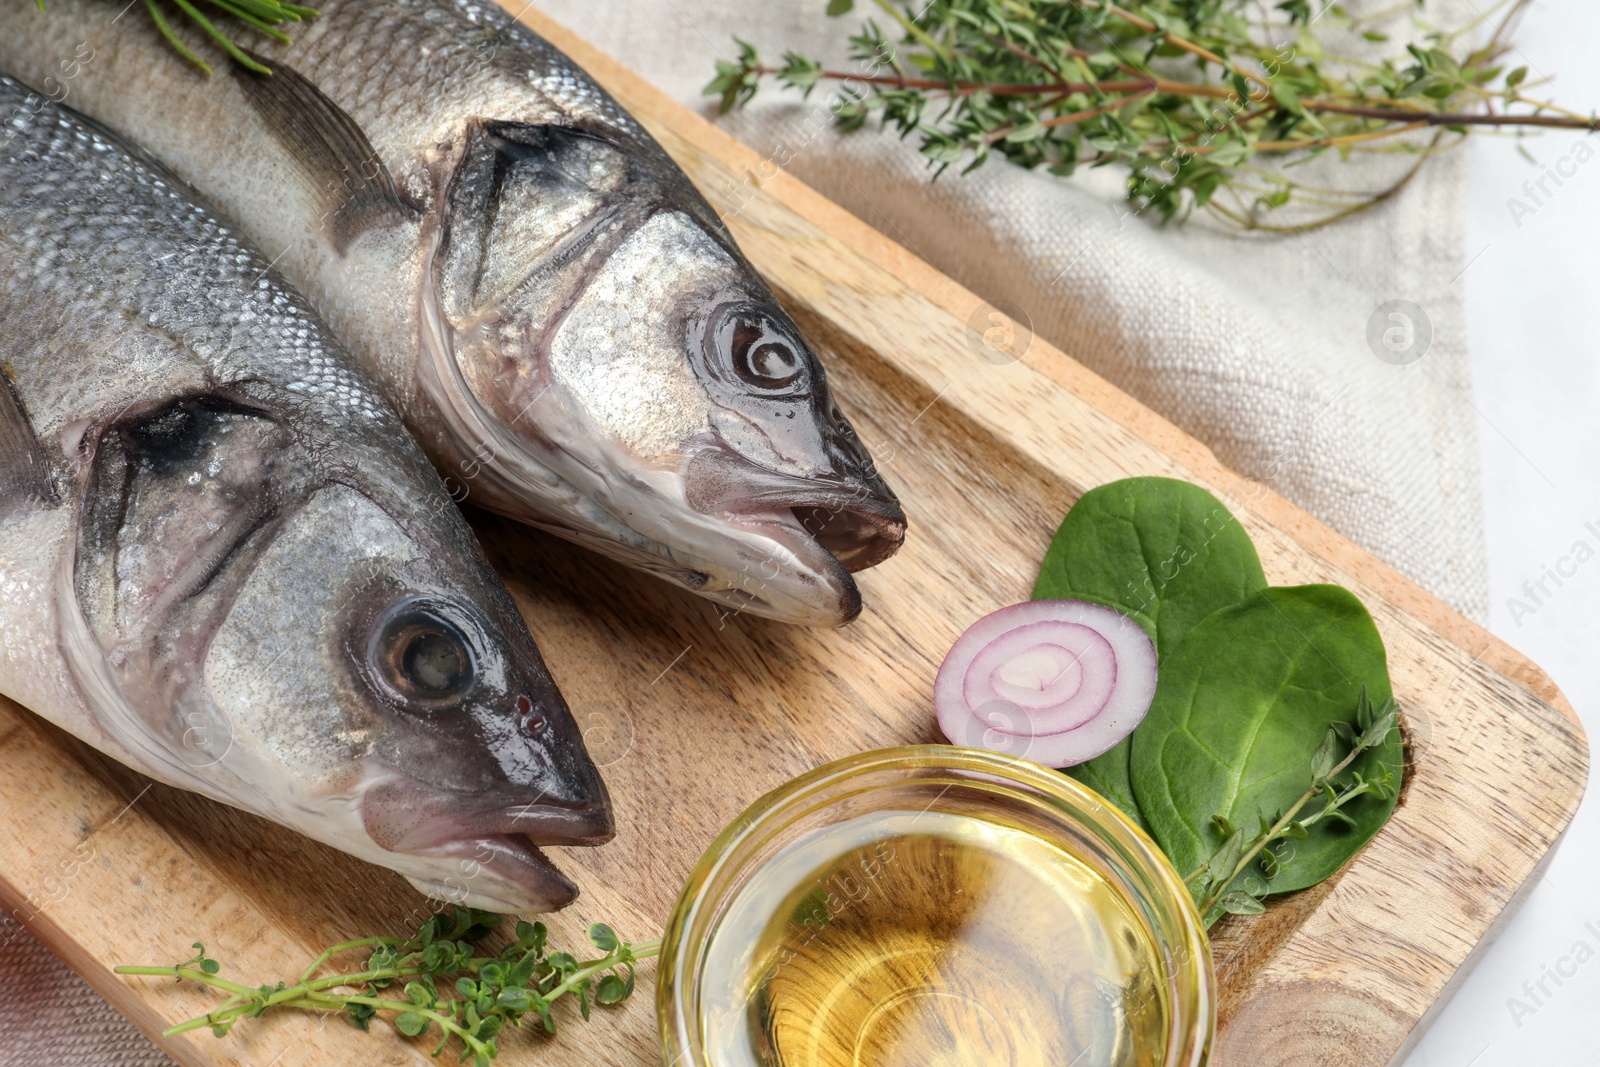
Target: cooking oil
(932, 939)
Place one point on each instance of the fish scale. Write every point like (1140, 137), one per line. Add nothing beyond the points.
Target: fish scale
(117, 247)
(224, 562)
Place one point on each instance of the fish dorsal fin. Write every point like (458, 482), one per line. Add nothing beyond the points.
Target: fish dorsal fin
(24, 476)
(354, 187)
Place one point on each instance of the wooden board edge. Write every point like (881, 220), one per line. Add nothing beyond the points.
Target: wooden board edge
(145, 1001)
(1271, 973)
(855, 234)
(105, 982)
(1481, 949)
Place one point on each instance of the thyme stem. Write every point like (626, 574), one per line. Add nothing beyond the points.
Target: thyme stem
(1067, 86)
(1214, 888)
(469, 997)
(1396, 113)
(1276, 832)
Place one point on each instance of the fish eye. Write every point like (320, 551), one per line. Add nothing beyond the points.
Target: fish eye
(773, 361)
(421, 656)
(761, 352)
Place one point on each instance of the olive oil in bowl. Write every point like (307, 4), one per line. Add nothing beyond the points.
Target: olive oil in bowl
(932, 940)
(934, 918)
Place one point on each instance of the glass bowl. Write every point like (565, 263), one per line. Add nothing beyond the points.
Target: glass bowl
(789, 943)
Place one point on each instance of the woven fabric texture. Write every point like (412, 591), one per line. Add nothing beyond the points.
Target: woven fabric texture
(49, 1018)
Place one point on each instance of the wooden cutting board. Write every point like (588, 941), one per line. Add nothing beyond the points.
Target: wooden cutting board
(695, 716)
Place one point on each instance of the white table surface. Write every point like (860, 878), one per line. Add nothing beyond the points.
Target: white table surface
(1531, 297)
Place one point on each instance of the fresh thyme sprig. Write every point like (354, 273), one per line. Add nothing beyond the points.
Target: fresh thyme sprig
(445, 985)
(1184, 93)
(1217, 886)
(264, 16)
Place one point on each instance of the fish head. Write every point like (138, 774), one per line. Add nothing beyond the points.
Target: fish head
(600, 348)
(288, 614)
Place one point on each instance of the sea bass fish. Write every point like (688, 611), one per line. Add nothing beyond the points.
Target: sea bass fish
(559, 316)
(223, 561)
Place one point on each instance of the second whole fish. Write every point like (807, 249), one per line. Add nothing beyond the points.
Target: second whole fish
(559, 316)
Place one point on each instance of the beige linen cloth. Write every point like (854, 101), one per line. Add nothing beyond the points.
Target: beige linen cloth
(1257, 346)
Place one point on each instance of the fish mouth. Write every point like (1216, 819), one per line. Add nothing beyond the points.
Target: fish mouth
(798, 539)
(488, 857)
(856, 537)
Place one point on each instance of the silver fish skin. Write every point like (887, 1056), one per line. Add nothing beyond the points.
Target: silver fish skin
(557, 313)
(223, 561)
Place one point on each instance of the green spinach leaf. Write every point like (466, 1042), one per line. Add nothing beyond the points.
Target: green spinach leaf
(1242, 704)
(1163, 551)
(1109, 775)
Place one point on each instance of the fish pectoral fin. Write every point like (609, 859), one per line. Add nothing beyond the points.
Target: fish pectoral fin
(24, 475)
(354, 186)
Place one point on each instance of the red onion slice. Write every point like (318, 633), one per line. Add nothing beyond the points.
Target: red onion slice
(1055, 681)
